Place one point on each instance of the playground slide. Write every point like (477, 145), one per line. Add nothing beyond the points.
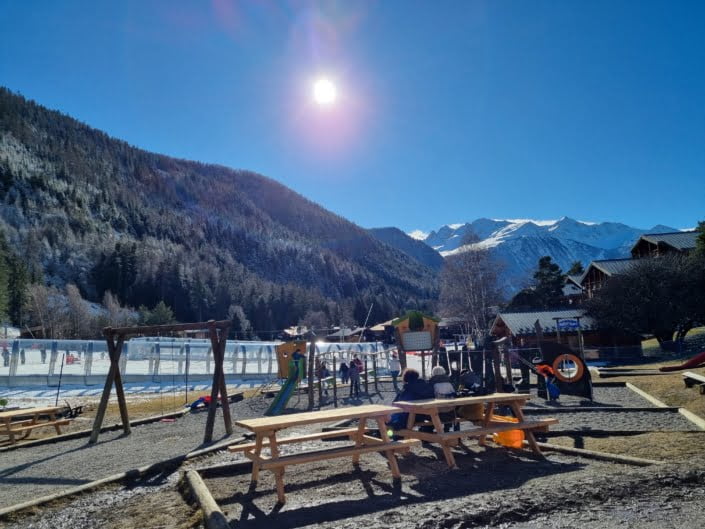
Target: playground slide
(693, 362)
(283, 396)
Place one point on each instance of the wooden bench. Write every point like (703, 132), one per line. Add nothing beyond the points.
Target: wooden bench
(13, 423)
(266, 429)
(482, 426)
(694, 379)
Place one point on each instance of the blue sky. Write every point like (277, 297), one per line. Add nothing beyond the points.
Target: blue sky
(446, 111)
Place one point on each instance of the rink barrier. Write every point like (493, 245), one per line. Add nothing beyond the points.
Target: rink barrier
(26, 362)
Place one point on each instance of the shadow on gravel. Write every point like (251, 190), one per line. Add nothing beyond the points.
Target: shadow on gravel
(479, 473)
(19, 468)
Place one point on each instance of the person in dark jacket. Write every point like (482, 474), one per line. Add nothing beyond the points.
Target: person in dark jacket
(415, 388)
(354, 375)
(344, 378)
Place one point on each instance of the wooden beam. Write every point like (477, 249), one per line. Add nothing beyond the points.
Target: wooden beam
(112, 373)
(213, 517)
(331, 453)
(299, 439)
(218, 386)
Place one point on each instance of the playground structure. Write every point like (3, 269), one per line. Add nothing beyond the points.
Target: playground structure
(115, 337)
(696, 361)
(291, 373)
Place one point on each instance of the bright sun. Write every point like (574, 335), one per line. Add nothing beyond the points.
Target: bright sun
(324, 92)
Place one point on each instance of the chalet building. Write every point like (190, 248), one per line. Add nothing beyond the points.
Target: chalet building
(572, 290)
(657, 244)
(520, 328)
(382, 332)
(649, 245)
(598, 272)
(346, 335)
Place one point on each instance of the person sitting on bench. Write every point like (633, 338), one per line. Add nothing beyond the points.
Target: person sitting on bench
(415, 388)
(443, 389)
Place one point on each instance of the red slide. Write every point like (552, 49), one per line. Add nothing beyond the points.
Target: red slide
(693, 362)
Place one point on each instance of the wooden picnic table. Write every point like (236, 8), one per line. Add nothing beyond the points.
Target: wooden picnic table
(25, 420)
(483, 424)
(267, 428)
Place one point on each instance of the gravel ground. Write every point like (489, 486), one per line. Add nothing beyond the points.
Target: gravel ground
(493, 486)
(671, 421)
(604, 396)
(32, 472)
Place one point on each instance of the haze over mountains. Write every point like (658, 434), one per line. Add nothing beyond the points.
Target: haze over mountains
(519, 243)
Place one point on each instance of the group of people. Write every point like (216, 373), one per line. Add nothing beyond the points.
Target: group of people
(438, 386)
(351, 374)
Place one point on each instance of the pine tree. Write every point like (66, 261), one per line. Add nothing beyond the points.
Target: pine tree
(17, 281)
(549, 283)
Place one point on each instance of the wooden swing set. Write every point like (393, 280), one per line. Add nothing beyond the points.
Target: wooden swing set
(218, 333)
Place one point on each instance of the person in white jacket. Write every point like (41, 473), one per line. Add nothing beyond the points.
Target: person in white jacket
(394, 369)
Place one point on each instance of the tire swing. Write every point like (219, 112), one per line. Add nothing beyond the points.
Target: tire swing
(574, 373)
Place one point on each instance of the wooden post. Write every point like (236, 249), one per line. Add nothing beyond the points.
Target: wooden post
(114, 350)
(374, 369)
(218, 386)
(367, 385)
(497, 370)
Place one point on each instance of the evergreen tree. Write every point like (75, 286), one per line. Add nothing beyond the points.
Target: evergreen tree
(576, 269)
(549, 282)
(4, 276)
(18, 279)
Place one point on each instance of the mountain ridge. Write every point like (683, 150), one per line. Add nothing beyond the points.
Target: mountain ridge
(519, 243)
(93, 210)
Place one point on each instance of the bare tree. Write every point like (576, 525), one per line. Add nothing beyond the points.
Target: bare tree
(46, 308)
(469, 287)
(79, 317)
(117, 315)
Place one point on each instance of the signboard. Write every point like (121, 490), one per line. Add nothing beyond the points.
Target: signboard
(417, 341)
(568, 324)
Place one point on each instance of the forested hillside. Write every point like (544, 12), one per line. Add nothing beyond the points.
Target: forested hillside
(211, 242)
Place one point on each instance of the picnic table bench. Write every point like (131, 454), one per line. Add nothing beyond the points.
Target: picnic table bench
(694, 379)
(483, 423)
(24, 420)
(267, 428)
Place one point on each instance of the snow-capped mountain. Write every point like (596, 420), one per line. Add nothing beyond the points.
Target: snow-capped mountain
(519, 243)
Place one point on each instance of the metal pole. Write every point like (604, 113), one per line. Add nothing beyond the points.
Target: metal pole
(61, 372)
(188, 353)
(366, 320)
(335, 383)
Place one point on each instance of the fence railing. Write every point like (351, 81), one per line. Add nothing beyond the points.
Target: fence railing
(39, 362)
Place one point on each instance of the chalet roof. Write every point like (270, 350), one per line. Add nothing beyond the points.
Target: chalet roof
(610, 266)
(574, 279)
(680, 240)
(522, 323)
(381, 326)
(451, 321)
(345, 332)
